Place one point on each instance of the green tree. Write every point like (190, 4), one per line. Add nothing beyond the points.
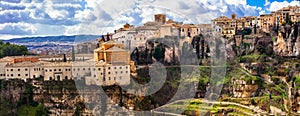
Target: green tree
(41, 110)
(8, 49)
(159, 52)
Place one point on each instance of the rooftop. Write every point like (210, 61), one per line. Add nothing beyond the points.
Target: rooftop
(27, 64)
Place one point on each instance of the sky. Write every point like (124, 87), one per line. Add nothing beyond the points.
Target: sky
(27, 18)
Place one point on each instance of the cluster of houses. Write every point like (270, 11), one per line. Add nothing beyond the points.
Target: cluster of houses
(264, 22)
(109, 65)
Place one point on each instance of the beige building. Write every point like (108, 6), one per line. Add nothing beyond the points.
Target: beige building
(82, 69)
(3, 63)
(290, 12)
(109, 74)
(189, 30)
(226, 24)
(25, 70)
(248, 22)
(58, 71)
(160, 19)
(112, 65)
(267, 21)
(133, 37)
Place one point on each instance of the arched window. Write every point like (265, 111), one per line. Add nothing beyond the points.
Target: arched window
(58, 77)
(66, 77)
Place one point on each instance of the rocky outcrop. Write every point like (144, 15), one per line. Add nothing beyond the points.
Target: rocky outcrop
(242, 89)
(288, 41)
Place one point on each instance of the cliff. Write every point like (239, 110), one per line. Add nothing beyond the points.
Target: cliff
(288, 41)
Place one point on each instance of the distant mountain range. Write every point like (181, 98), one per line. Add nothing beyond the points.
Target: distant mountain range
(56, 39)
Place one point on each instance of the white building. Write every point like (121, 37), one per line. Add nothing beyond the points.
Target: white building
(24, 70)
(109, 74)
(58, 71)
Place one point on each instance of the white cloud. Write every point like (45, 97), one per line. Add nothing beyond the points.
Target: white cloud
(277, 5)
(22, 28)
(100, 16)
(267, 2)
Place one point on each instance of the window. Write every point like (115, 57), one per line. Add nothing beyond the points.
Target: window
(116, 72)
(115, 67)
(108, 68)
(66, 77)
(66, 69)
(108, 78)
(46, 70)
(126, 71)
(54, 69)
(18, 69)
(7, 70)
(50, 70)
(101, 74)
(93, 69)
(121, 72)
(83, 68)
(94, 75)
(114, 78)
(11, 69)
(26, 74)
(120, 78)
(26, 69)
(108, 72)
(50, 78)
(19, 75)
(126, 67)
(103, 78)
(59, 69)
(11, 75)
(99, 69)
(120, 67)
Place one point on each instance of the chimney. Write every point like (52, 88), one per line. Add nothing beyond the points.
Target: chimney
(233, 16)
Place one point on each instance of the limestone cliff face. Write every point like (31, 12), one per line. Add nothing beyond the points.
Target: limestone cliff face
(280, 45)
(288, 42)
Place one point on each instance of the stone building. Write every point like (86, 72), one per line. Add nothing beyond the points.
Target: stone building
(86, 48)
(58, 71)
(133, 37)
(248, 22)
(189, 30)
(82, 69)
(112, 64)
(267, 21)
(160, 18)
(289, 12)
(3, 62)
(24, 70)
(226, 24)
